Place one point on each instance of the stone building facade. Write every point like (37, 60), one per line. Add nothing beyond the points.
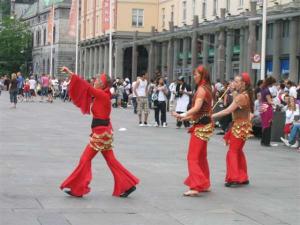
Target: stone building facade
(222, 35)
(64, 45)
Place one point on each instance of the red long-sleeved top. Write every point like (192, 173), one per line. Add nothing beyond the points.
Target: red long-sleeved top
(90, 99)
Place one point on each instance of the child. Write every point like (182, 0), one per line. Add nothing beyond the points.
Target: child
(27, 90)
(291, 110)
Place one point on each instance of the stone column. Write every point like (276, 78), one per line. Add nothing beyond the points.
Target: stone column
(216, 46)
(81, 61)
(170, 61)
(91, 62)
(96, 60)
(221, 55)
(229, 53)
(119, 59)
(205, 49)
(163, 57)
(276, 49)
(246, 37)
(151, 60)
(175, 58)
(194, 50)
(157, 48)
(134, 57)
(101, 59)
(106, 58)
(242, 50)
(294, 27)
(86, 63)
(185, 55)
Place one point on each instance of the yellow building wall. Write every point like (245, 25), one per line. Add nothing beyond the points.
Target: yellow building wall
(124, 14)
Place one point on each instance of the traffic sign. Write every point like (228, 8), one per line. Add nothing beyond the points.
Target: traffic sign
(256, 58)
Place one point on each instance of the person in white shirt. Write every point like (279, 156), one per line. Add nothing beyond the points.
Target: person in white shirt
(183, 93)
(159, 96)
(32, 86)
(64, 89)
(172, 88)
(134, 102)
(141, 93)
(292, 89)
(291, 110)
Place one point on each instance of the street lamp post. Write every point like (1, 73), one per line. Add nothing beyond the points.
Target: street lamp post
(263, 45)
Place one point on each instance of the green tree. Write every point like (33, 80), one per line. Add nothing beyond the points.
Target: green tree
(5, 7)
(15, 46)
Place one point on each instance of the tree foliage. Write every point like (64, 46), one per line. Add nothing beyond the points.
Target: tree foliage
(5, 7)
(15, 45)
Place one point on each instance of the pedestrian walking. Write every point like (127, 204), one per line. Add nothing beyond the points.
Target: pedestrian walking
(13, 90)
(141, 93)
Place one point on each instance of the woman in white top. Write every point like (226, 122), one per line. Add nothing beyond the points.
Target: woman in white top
(159, 97)
(183, 92)
(291, 110)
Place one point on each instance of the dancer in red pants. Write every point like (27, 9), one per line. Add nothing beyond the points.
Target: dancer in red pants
(241, 129)
(96, 100)
(200, 115)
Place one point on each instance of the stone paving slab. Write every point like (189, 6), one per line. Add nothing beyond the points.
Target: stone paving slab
(40, 144)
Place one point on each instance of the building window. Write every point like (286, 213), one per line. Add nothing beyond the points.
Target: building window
(270, 31)
(172, 13)
(215, 7)
(241, 3)
(204, 9)
(137, 17)
(183, 11)
(237, 37)
(44, 36)
(286, 29)
(163, 18)
(227, 6)
(38, 38)
(194, 7)
(54, 34)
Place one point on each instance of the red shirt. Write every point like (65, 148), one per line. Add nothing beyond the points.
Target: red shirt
(90, 99)
(26, 88)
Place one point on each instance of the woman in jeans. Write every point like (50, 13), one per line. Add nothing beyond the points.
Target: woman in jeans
(13, 90)
(161, 91)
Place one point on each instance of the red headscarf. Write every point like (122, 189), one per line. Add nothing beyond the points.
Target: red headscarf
(105, 79)
(204, 73)
(246, 78)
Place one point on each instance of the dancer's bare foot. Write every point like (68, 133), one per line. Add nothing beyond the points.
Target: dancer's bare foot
(191, 193)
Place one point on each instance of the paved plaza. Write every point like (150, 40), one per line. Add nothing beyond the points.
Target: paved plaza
(40, 144)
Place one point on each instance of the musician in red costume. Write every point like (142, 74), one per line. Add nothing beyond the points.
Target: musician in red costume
(241, 130)
(200, 115)
(96, 100)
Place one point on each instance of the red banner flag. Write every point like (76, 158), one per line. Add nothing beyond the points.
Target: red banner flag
(73, 23)
(51, 25)
(105, 15)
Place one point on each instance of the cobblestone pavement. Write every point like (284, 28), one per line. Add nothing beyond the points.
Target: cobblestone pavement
(40, 144)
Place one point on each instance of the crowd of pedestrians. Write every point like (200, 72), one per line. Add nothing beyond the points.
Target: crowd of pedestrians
(34, 88)
(160, 96)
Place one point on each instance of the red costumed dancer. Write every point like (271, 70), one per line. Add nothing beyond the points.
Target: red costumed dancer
(200, 115)
(96, 100)
(241, 129)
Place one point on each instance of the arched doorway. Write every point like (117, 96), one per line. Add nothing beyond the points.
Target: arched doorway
(127, 63)
(142, 64)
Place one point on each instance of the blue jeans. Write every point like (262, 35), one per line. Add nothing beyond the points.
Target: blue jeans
(293, 135)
